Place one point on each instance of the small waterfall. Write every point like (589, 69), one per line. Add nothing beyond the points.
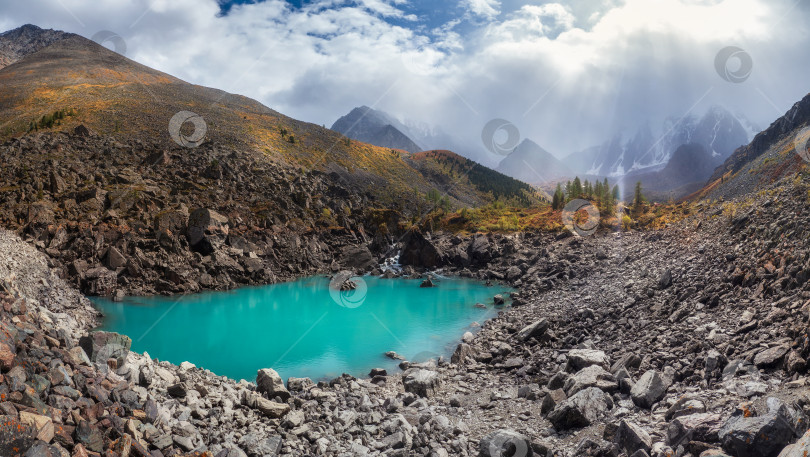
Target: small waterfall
(392, 263)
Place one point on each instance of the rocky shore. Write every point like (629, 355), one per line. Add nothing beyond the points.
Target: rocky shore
(689, 341)
(138, 218)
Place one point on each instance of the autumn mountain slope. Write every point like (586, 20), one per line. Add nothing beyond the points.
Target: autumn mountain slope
(121, 208)
(113, 95)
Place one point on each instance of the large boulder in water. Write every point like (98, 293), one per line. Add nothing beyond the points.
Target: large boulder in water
(421, 252)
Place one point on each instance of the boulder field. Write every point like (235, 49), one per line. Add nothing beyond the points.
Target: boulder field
(686, 341)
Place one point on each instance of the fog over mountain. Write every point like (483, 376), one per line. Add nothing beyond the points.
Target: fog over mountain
(568, 77)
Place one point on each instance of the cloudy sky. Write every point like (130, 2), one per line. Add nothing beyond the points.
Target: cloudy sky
(567, 76)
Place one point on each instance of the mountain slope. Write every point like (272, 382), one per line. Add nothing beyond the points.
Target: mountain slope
(113, 95)
(685, 173)
(375, 127)
(452, 168)
(532, 164)
(119, 206)
(770, 156)
(28, 39)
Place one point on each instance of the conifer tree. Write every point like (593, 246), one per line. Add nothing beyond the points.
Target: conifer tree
(559, 198)
(638, 198)
(576, 188)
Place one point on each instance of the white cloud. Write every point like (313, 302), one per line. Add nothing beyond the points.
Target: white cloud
(533, 21)
(383, 8)
(566, 75)
(487, 9)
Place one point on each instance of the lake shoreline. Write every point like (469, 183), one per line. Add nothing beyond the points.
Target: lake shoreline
(614, 343)
(311, 307)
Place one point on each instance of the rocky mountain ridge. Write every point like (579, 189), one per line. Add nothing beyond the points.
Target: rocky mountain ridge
(375, 127)
(798, 115)
(28, 39)
(532, 164)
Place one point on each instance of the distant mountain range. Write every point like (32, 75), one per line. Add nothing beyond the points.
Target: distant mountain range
(718, 131)
(671, 161)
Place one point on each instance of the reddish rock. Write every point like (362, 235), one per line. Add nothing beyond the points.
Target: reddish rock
(6, 357)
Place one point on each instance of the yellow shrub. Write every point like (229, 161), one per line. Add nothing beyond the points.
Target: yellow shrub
(626, 222)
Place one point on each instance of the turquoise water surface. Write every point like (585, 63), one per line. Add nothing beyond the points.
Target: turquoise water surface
(303, 328)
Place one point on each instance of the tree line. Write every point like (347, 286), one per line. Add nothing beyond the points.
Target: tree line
(599, 192)
(49, 120)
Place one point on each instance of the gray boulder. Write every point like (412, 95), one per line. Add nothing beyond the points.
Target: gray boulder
(592, 376)
(420, 381)
(501, 443)
(632, 438)
(357, 258)
(649, 389)
(267, 407)
(207, 230)
(535, 329)
(684, 407)
(582, 358)
(269, 382)
(257, 444)
(799, 449)
(418, 251)
(462, 353)
(771, 357)
(665, 280)
(581, 410)
(114, 259)
(299, 384)
(102, 346)
(701, 427)
(765, 435)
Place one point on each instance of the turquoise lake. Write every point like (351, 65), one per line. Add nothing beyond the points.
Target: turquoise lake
(304, 328)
